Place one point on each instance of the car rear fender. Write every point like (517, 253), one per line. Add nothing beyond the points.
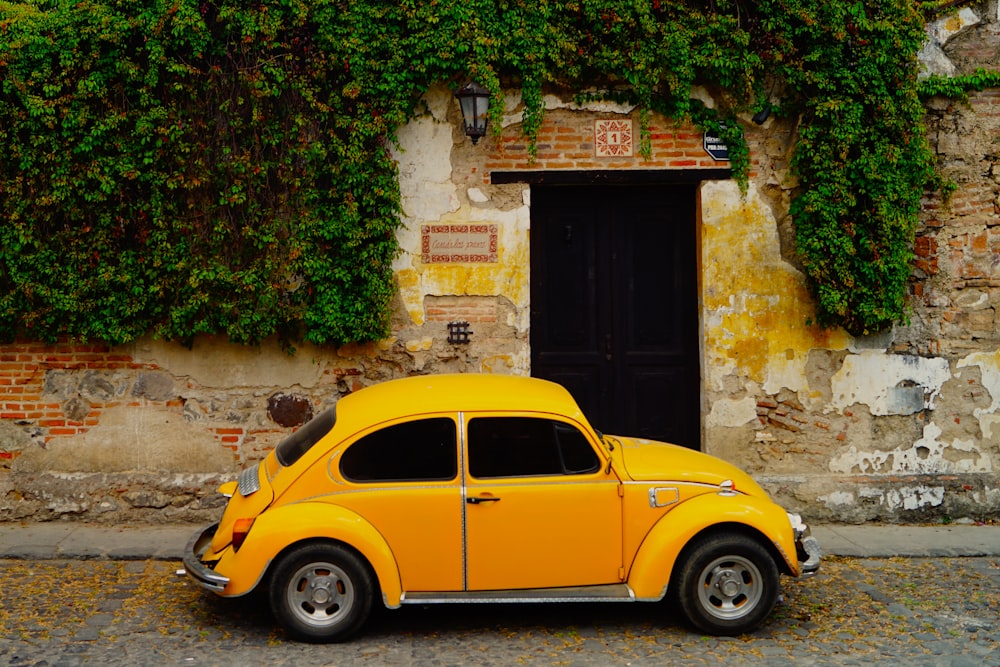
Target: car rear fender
(649, 575)
(277, 529)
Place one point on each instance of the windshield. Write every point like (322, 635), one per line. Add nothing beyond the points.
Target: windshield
(294, 446)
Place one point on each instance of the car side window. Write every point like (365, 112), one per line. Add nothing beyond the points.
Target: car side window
(525, 446)
(421, 450)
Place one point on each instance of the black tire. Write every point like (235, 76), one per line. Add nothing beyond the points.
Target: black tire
(321, 592)
(727, 584)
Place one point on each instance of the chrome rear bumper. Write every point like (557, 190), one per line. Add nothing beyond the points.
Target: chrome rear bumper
(203, 575)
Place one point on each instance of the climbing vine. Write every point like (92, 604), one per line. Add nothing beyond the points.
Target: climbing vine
(178, 167)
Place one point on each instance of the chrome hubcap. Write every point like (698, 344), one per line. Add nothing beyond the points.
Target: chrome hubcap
(731, 587)
(320, 594)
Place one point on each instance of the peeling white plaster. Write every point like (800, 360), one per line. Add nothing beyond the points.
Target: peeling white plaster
(838, 499)
(599, 106)
(701, 94)
(755, 304)
(933, 60)
(932, 57)
(889, 384)
(423, 156)
(927, 455)
(732, 412)
(913, 497)
(989, 369)
(902, 497)
(946, 27)
(477, 196)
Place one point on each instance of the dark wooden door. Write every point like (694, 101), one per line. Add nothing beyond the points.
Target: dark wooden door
(614, 305)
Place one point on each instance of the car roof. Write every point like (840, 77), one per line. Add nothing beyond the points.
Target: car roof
(423, 394)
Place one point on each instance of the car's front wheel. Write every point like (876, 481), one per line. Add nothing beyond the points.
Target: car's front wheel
(727, 584)
(321, 592)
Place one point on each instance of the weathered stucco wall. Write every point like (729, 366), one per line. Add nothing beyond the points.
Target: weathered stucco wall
(900, 427)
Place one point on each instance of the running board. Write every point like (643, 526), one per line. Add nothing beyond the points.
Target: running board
(608, 593)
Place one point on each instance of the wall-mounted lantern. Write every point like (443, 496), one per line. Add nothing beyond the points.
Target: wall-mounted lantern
(475, 102)
(761, 116)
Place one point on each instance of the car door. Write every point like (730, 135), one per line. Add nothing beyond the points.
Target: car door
(403, 479)
(540, 510)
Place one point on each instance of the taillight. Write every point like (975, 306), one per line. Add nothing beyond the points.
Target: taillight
(240, 530)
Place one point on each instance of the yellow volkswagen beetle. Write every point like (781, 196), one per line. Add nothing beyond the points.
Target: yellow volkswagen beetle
(488, 488)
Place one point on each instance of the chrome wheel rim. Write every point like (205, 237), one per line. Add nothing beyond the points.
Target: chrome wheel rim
(730, 587)
(320, 594)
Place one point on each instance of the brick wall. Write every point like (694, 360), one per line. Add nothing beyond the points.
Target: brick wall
(957, 282)
(460, 308)
(569, 141)
(61, 391)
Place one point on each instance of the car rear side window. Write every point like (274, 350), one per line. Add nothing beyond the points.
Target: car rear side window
(525, 446)
(421, 450)
(294, 446)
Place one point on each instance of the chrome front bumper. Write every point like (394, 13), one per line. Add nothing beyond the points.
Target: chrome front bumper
(806, 547)
(203, 575)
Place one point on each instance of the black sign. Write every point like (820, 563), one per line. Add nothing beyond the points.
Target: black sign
(715, 147)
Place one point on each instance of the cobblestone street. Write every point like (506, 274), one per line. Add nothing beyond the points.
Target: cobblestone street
(918, 611)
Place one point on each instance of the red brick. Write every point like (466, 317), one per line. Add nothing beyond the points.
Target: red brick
(924, 246)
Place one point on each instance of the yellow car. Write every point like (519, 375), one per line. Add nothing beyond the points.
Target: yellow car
(488, 488)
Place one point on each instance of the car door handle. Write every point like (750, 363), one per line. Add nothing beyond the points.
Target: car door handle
(482, 499)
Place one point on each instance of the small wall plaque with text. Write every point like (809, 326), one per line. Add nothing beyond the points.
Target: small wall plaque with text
(458, 243)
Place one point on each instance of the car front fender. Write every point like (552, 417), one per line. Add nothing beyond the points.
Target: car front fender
(651, 569)
(277, 529)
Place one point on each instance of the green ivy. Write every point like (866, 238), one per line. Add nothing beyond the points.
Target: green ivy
(958, 87)
(217, 166)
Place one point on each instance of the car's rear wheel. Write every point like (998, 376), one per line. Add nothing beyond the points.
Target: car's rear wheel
(321, 592)
(727, 584)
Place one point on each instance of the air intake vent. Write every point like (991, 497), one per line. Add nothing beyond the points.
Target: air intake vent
(249, 482)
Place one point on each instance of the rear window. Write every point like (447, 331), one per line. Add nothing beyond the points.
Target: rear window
(420, 450)
(294, 446)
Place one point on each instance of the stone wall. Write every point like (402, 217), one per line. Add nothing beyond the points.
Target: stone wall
(899, 427)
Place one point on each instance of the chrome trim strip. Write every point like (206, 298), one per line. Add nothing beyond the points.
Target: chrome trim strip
(602, 593)
(330, 467)
(672, 482)
(463, 482)
(330, 495)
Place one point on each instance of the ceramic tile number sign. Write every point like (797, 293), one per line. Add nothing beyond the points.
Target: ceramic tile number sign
(458, 243)
(613, 138)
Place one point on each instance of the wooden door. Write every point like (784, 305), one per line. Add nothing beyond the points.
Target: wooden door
(614, 305)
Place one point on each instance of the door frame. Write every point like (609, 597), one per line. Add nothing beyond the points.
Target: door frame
(638, 178)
